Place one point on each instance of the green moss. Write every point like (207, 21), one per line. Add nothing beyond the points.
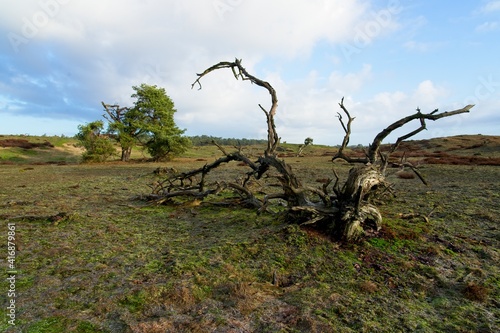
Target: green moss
(214, 267)
(136, 301)
(59, 324)
(379, 243)
(86, 327)
(49, 325)
(154, 266)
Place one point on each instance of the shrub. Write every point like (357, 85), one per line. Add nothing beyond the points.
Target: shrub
(98, 147)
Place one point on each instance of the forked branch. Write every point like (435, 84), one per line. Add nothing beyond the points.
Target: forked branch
(374, 148)
(434, 115)
(345, 142)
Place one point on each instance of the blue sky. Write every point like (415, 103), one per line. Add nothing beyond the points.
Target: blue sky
(60, 58)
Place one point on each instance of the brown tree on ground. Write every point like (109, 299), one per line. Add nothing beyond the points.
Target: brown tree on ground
(345, 211)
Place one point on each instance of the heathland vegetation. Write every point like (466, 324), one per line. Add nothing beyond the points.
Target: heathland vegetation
(94, 256)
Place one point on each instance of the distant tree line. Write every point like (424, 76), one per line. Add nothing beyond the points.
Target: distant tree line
(207, 140)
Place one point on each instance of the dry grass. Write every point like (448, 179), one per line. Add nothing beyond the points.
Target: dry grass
(368, 287)
(93, 259)
(476, 292)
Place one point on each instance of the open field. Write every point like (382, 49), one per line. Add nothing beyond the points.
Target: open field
(92, 257)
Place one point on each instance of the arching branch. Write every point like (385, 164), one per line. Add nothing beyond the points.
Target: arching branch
(240, 72)
(434, 115)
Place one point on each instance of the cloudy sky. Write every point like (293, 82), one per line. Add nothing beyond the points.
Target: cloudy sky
(60, 58)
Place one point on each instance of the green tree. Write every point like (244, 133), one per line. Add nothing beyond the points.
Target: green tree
(162, 147)
(98, 147)
(154, 112)
(149, 122)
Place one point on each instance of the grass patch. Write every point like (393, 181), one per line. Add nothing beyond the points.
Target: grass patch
(136, 301)
(93, 259)
(58, 324)
(13, 155)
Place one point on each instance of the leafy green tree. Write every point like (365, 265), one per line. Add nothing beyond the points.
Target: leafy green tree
(154, 112)
(149, 122)
(98, 147)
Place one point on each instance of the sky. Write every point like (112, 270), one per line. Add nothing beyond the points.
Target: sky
(60, 58)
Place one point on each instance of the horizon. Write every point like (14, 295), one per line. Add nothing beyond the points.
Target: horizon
(62, 136)
(61, 58)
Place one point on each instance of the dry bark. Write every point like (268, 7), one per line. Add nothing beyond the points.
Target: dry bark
(345, 211)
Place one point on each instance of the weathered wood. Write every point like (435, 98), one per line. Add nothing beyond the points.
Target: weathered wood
(434, 115)
(346, 213)
(240, 72)
(356, 212)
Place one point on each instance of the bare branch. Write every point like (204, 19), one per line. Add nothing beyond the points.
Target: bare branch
(345, 142)
(115, 112)
(347, 128)
(419, 175)
(240, 72)
(377, 141)
(249, 198)
(220, 148)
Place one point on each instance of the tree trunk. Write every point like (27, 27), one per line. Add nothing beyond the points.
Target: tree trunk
(126, 152)
(356, 213)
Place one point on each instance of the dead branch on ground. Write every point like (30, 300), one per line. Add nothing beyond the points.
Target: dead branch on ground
(344, 211)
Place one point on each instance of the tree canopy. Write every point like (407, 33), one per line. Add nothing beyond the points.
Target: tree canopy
(149, 122)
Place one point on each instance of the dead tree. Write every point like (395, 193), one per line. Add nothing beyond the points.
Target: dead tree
(123, 127)
(115, 115)
(345, 212)
(374, 148)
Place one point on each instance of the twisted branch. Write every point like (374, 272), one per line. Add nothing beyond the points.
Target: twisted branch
(240, 72)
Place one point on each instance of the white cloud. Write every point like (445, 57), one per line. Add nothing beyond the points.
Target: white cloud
(101, 49)
(487, 27)
(248, 26)
(351, 82)
(389, 99)
(92, 51)
(491, 6)
(428, 94)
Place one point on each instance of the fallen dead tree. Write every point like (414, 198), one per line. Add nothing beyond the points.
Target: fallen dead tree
(345, 211)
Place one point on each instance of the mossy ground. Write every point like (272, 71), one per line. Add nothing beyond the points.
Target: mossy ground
(93, 258)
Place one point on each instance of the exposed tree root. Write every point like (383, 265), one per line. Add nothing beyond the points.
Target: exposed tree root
(345, 212)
